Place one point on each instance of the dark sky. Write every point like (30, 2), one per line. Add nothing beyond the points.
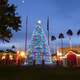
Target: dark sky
(64, 15)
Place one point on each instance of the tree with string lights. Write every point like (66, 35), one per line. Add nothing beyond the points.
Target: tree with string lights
(38, 49)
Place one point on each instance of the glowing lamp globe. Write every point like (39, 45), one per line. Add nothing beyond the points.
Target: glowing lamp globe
(22, 54)
(39, 21)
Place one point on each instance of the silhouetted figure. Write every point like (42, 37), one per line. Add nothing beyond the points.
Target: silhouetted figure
(43, 62)
(34, 62)
(7, 59)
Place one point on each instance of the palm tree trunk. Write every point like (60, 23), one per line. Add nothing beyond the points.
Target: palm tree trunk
(62, 45)
(79, 42)
(70, 43)
(54, 47)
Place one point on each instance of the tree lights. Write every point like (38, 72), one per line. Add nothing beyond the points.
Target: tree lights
(38, 49)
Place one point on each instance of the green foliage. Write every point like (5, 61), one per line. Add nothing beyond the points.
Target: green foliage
(9, 21)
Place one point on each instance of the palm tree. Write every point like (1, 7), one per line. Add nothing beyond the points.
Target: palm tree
(52, 39)
(61, 36)
(13, 48)
(78, 33)
(69, 33)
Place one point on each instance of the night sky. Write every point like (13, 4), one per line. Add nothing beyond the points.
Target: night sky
(64, 15)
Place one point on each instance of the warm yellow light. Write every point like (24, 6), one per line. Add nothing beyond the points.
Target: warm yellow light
(22, 54)
(61, 58)
(3, 57)
(59, 53)
(78, 55)
(11, 57)
(64, 57)
(17, 52)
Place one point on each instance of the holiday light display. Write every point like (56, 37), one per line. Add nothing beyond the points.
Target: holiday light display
(38, 49)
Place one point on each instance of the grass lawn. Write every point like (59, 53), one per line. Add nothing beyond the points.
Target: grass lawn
(38, 72)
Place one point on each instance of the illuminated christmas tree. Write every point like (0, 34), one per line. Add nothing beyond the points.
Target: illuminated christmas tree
(38, 49)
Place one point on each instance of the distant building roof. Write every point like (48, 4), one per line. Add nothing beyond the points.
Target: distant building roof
(65, 50)
(8, 51)
(1, 51)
